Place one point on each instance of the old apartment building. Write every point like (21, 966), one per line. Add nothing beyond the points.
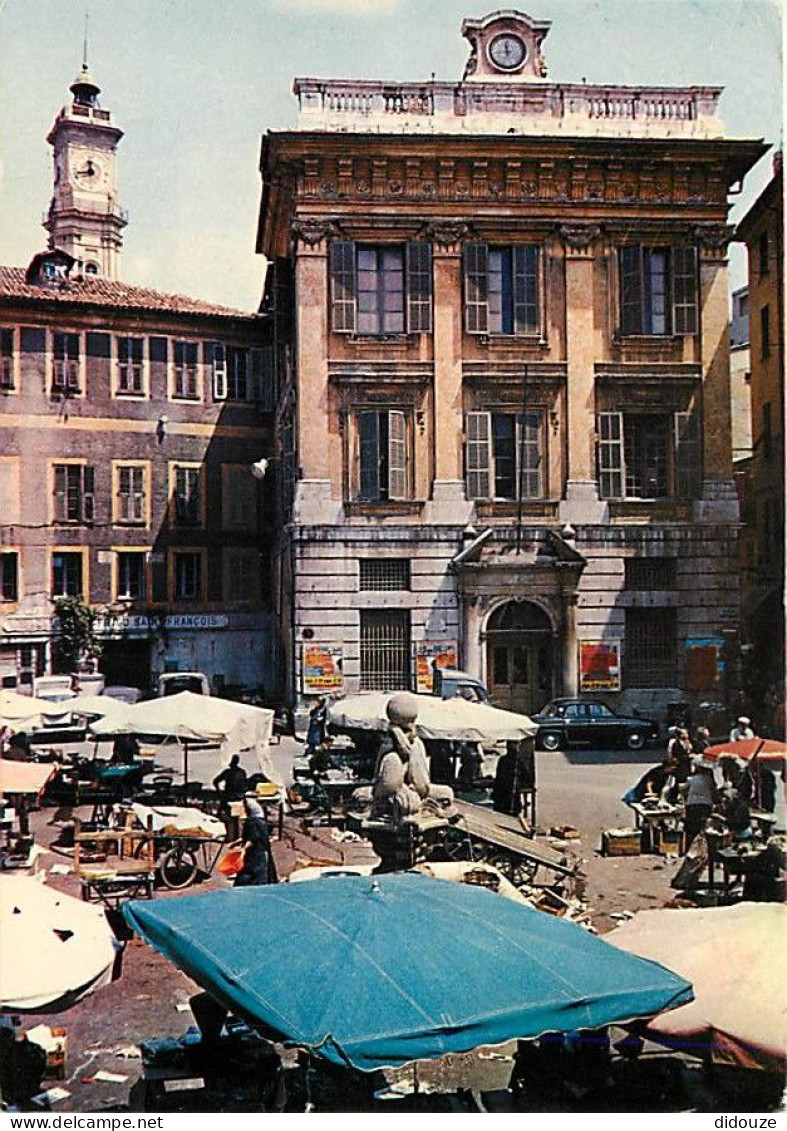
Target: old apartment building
(502, 363)
(129, 420)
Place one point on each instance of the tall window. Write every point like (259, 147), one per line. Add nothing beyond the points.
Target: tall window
(130, 501)
(131, 575)
(765, 331)
(9, 577)
(185, 365)
(504, 455)
(239, 498)
(187, 576)
(381, 289)
(73, 493)
(762, 254)
(385, 649)
(130, 377)
(648, 455)
(240, 373)
(383, 450)
(6, 359)
(651, 648)
(67, 574)
(187, 496)
(501, 289)
(65, 363)
(658, 289)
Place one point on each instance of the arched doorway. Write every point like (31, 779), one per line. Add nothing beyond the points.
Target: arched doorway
(519, 656)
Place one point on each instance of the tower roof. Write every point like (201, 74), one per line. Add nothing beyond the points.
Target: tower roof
(84, 88)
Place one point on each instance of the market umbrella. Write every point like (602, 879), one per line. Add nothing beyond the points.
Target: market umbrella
(24, 712)
(735, 958)
(376, 971)
(763, 749)
(54, 950)
(25, 777)
(455, 719)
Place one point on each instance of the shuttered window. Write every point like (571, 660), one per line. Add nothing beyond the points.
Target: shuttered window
(131, 493)
(649, 455)
(185, 365)
(658, 289)
(504, 455)
(688, 455)
(65, 362)
(377, 290)
(130, 376)
(131, 575)
(73, 494)
(6, 359)
(187, 496)
(188, 576)
(684, 289)
(383, 450)
(67, 575)
(501, 289)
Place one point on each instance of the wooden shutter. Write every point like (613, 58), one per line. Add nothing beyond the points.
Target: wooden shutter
(530, 439)
(261, 370)
(526, 320)
(137, 488)
(419, 287)
(610, 455)
(476, 272)
(688, 455)
(88, 496)
(369, 455)
(61, 493)
(343, 286)
(6, 359)
(477, 454)
(219, 361)
(630, 259)
(397, 456)
(684, 289)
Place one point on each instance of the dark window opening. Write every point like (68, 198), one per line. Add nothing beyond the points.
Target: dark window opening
(131, 576)
(188, 577)
(646, 574)
(66, 575)
(6, 359)
(383, 456)
(9, 577)
(651, 648)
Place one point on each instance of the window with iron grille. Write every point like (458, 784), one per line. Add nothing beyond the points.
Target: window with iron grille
(651, 648)
(130, 353)
(131, 493)
(645, 574)
(131, 575)
(501, 289)
(6, 359)
(385, 649)
(381, 289)
(65, 363)
(9, 577)
(67, 575)
(73, 493)
(185, 363)
(658, 289)
(384, 573)
(187, 496)
(188, 576)
(504, 455)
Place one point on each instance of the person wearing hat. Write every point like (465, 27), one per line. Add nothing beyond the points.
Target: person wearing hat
(258, 864)
(742, 729)
(700, 799)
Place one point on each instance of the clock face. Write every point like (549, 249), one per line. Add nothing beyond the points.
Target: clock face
(89, 171)
(507, 51)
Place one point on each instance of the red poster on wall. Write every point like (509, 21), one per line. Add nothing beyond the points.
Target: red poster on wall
(599, 665)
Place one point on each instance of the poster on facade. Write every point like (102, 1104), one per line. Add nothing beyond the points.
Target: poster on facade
(428, 656)
(599, 665)
(321, 670)
(704, 663)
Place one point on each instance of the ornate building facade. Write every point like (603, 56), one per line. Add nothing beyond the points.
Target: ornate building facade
(500, 314)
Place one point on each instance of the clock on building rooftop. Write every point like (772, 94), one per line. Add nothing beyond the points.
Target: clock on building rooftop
(505, 45)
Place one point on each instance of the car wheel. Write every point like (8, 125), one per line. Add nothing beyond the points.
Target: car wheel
(550, 740)
(635, 740)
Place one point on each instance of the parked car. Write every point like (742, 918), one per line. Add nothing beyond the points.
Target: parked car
(589, 722)
(450, 682)
(172, 683)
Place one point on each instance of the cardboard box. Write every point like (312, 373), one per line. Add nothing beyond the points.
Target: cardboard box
(621, 842)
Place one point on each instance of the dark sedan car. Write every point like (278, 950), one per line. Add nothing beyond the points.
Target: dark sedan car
(588, 722)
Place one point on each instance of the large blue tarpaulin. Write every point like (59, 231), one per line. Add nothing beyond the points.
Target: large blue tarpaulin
(380, 971)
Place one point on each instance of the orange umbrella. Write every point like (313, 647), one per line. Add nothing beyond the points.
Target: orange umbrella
(764, 749)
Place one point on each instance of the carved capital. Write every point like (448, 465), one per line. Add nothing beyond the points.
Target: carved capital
(312, 230)
(579, 237)
(447, 233)
(714, 237)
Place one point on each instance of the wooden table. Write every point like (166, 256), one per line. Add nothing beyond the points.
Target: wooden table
(649, 817)
(735, 862)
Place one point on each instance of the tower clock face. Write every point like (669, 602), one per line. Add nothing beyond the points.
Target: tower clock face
(89, 171)
(507, 51)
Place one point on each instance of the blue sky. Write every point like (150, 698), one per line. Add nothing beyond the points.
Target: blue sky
(195, 83)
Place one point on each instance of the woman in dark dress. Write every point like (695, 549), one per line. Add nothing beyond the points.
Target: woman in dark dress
(258, 865)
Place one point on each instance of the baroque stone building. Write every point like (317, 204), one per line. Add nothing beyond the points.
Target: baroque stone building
(129, 421)
(500, 313)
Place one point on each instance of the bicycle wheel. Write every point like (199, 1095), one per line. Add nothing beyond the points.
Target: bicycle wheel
(178, 867)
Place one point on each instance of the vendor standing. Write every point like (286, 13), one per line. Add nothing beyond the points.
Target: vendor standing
(515, 774)
(258, 866)
(700, 799)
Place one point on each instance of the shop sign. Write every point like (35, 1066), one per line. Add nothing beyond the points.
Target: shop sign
(704, 663)
(129, 623)
(321, 668)
(599, 665)
(431, 655)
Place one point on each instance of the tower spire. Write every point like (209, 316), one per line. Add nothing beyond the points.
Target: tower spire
(83, 87)
(84, 47)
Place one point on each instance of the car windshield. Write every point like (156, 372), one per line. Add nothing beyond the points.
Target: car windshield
(556, 710)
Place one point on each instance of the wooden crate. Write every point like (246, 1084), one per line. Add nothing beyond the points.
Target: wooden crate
(669, 842)
(621, 842)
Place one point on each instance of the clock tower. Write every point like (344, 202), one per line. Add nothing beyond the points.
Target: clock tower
(85, 218)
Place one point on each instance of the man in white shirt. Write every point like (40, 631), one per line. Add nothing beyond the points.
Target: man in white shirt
(741, 730)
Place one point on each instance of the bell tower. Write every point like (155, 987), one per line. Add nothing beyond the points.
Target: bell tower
(85, 218)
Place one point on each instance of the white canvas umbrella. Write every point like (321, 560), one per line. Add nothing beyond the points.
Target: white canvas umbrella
(23, 712)
(454, 719)
(54, 949)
